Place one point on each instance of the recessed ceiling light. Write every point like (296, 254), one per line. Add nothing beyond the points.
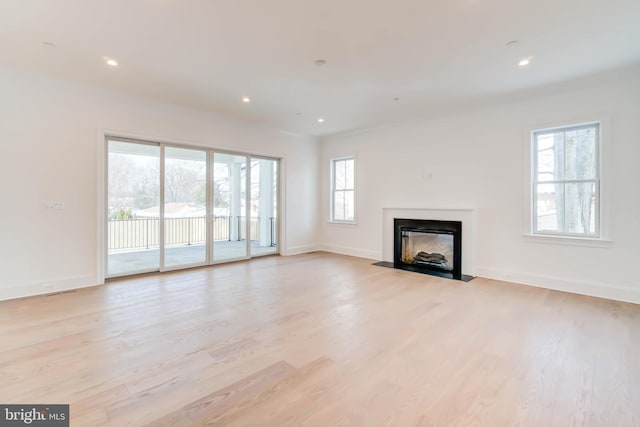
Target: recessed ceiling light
(321, 62)
(246, 99)
(524, 62)
(512, 43)
(48, 44)
(111, 62)
(396, 99)
(320, 120)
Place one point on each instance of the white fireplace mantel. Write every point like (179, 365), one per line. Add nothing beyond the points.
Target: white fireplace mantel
(466, 216)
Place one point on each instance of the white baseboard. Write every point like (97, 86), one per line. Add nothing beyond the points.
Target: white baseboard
(47, 287)
(302, 249)
(375, 255)
(600, 290)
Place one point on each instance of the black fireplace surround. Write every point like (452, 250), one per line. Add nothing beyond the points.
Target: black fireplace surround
(447, 233)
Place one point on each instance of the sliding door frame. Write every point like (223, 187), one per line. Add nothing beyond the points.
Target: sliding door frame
(247, 198)
(105, 258)
(163, 267)
(278, 203)
(103, 205)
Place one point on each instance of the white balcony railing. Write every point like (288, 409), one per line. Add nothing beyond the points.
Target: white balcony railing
(143, 233)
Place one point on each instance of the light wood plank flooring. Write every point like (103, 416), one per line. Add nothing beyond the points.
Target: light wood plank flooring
(322, 340)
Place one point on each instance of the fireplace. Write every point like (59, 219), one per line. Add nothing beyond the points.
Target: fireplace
(428, 246)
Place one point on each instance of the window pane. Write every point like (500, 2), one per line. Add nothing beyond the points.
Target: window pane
(229, 206)
(133, 202)
(339, 174)
(338, 206)
(349, 174)
(546, 157)
(566, 155)
(349, 203)
(264, 197)
(580, 154)
(566, 208)
(548, 196)
(185, 206)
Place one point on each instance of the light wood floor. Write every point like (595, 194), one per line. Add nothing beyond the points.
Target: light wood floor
(322, 340)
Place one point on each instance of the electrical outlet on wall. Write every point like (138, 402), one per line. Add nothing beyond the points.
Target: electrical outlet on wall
(57, 206)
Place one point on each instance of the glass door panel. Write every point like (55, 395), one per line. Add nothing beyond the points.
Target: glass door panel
(185, 207)
(133, 200)
(264, 204)
(229, 206)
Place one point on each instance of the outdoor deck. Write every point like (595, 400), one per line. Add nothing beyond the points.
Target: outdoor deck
(147, 259)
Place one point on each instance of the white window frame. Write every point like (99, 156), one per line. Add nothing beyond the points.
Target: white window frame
(332, 167)
(533, 181)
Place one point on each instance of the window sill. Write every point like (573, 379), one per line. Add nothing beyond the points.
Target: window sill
(347, 223)
(569, 241)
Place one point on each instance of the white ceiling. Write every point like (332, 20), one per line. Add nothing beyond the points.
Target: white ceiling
(432, 55)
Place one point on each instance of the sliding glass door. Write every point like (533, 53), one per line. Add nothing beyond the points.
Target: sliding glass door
(229, 207)
(185, 207)
(133, 198)
(264, 206)
(171, 207)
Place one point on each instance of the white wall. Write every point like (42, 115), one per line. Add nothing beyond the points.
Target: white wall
(48, 152)
(478, 160)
